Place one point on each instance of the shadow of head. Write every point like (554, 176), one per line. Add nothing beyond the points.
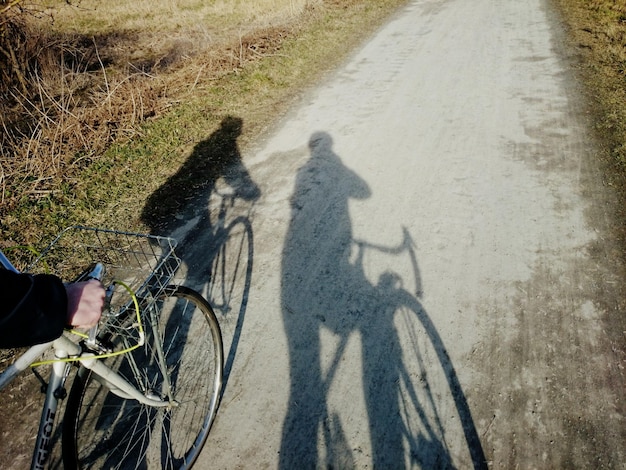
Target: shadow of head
(232, 125)
(320, 143)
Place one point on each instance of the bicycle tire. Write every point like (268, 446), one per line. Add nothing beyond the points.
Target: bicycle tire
(102, 430)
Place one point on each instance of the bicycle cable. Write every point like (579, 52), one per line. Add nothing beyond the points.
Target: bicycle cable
(138, 325)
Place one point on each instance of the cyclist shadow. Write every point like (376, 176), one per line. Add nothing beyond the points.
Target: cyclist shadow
(207, 206)
(186, 194)
(325, 290)
(182, 208)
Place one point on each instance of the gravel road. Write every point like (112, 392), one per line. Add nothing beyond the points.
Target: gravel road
(420, 267)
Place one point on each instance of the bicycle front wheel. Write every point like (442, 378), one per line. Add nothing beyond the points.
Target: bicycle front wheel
(183, 341)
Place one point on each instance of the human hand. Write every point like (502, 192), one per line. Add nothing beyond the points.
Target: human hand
(85, 301)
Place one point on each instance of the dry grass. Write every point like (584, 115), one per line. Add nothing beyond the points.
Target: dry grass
(116, 99)
(145, 30)
(95, 17)
(99, 71)
(597, 29)
(119, 93)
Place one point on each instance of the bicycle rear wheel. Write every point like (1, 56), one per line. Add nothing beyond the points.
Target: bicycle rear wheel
(103, 430)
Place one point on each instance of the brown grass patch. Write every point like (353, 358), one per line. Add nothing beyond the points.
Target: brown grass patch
(116, 95)
(68, 96)
(597, 29)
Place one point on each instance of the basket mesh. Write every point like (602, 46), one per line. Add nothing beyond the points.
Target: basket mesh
(143, 262)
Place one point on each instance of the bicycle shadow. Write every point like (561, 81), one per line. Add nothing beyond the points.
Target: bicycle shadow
(217, 253)
(186, 194)
(207, 206)
(325, 292)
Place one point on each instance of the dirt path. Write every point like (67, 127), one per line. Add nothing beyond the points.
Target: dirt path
(498, 337)
(420, 270)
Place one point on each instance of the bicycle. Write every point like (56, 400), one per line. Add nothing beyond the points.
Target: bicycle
(426, 383)
(149, 377)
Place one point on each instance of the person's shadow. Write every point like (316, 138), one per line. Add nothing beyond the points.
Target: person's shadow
(206, 205)
(325, 288)
(187, 192)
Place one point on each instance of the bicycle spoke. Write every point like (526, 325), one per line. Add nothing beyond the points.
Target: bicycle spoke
(182, 342)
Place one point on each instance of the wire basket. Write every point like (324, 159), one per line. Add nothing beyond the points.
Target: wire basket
(144, 263)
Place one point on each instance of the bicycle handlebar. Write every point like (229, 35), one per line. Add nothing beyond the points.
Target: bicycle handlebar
(6, 264)
(407, 244)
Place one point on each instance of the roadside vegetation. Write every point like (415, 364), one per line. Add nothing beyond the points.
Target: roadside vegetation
(101, 102)
(105, 101)
(597, 29)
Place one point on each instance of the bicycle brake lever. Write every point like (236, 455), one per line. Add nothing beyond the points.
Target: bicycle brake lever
(97, 273)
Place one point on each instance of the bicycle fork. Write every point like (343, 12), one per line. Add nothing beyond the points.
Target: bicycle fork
(54, 392)
(64, 348)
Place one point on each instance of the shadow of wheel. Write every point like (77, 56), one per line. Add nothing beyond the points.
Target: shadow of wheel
(438, 428)
(229, 285)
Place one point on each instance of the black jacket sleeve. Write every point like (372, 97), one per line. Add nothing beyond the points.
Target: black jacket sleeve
(33, 309)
